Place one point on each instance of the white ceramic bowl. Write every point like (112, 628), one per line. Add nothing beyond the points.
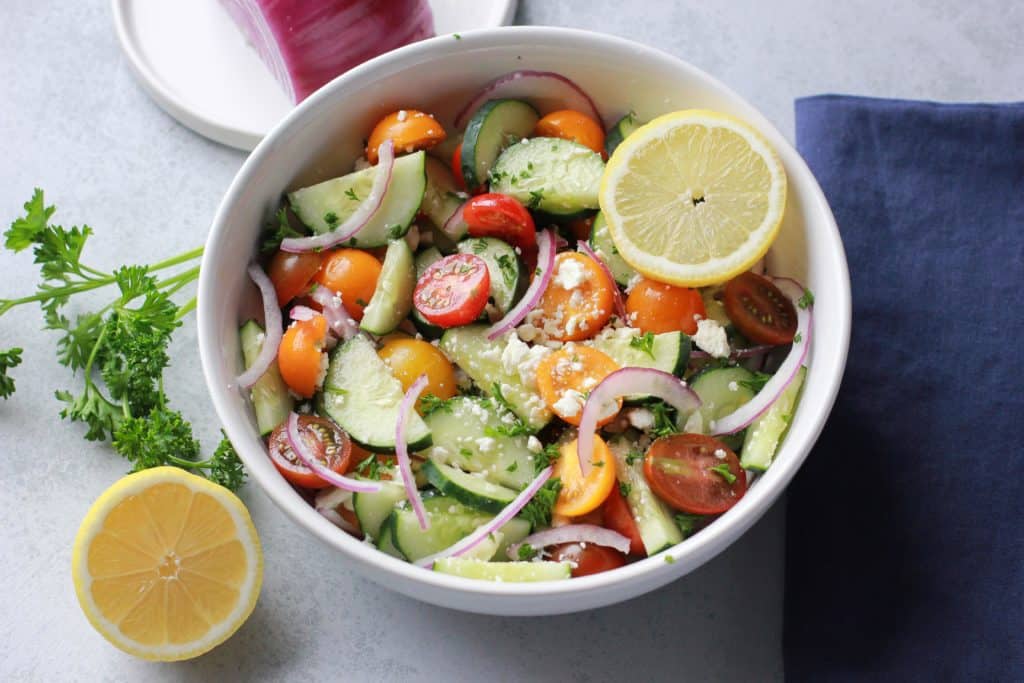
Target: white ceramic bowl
(322, 137)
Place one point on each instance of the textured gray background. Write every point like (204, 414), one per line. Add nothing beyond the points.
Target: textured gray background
(73, 121)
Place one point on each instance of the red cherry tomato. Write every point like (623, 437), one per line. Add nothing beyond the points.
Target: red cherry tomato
(292, 273)
(695, 473)
(499, 215)
(453, 291)
(460, 179)
(329, 444)
(593, 559)
(759, 310)
(617, 517)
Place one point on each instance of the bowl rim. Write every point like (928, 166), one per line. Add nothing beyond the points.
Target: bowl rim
(658, 569)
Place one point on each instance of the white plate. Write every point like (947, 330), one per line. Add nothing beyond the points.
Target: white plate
(196, 64)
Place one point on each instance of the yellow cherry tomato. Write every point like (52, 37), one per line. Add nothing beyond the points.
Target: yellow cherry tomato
(572, 125)
(409, 129)
(353, 274)
(300, 357)
(409, 358)
(581, 495)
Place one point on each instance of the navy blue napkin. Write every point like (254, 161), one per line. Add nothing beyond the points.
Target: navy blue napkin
(905, 528)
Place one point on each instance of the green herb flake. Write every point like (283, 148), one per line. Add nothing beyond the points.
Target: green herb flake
(625, 489)
(807, 300)
(688, 524)
(669, 559)
(351, 194)
(513, 467)
(429, 403)
(525, 552)
(538, 510)
(548, 455)
(644, 343)
(724, 472)
(798, 338)
(509, 269)
(479, 246)
(536, 197)
(331, 219)
(664, 419)
(465, 452)
(634, 457)
(456, 36)
(757, 382)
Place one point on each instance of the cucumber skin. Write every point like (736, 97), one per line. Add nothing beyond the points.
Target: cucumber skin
(655, 524)
(490, 257)
(447, 487)
(364, 506)
(471, 139)
(754, 455)
(600, 238)
(392, 299)
(442, 509)
(622, 129)
(565, 173)
(506, 572)
(271, 401)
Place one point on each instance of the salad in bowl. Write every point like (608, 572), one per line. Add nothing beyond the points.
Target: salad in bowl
(522, 346)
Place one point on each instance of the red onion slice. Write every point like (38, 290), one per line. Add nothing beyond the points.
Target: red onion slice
(302, 452)
(620, 305)
(271, 325)
(402, 450)
(501, 519)
(302, 313)
(547, 90)
(573, 533)
(627, 382)
(453, 227)
(545, 264)
(753, 409)
(334, 312)
(360, 217)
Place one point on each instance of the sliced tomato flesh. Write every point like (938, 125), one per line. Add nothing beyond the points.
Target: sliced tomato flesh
(695, 473)
(329, 444)
(453, 291)
(759, 310)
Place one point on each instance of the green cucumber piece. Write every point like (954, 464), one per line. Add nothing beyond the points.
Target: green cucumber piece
(766, 432)
(392, 299)
(654, 520)
(469, 348)
(550, 174)
(362, 396)
(372, 508)
(669, 351)
(450, 521)
(601, 242)
(622, 129)
(327, 205)
(473, 490)
(722, 391)
(271, 400)
(494, 126)
(423, 261)
(466, 434)
(504, 572)
(442, 197)
(386, 545)
(508, 274)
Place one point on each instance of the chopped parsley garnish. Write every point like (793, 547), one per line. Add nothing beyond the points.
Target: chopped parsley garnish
(807, 300)
(625, 489)
(331, 218)
(369, 467)
(645, 343)
(429, 403)
(756, 383)
(688, 524)
(479, 246)
(664, 419)
(456, 36)
(360, 301)
(536, 197)
(633, 457)
(597, 463)
(548, 455)
(500, 397)
(538, 511)
(513, 467)
(724, 472)
(517, 428)
(526, 552)
(351, 194)
(508, 268)
(798, 338)
(275, 234)
(669, 559)
(465, 452)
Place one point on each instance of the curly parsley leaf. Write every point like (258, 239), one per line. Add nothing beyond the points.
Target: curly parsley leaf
(757, 382)
(689, 524)
(664, 419)
(277, 233)
(11, 358)
(429, 403)
(538, 511)
(548, 455)
(807, 300)
(644, 343)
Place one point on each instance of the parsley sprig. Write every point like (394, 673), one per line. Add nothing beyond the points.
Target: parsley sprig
(119, 350)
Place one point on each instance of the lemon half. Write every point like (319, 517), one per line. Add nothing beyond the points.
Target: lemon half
(693, 198)
(167, 565)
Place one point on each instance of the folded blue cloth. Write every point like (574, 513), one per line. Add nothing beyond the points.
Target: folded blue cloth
(905, 528)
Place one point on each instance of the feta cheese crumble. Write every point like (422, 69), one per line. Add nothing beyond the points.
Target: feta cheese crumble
(570, 274)
(711, 338)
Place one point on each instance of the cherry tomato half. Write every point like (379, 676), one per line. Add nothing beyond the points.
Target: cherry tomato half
(569, 124)
(759, 310)
(592, 559)
(300, 355)
(329, 444)
(460, 179)
(499, 215)
(409, 129)
(657, 307)
(453, 291)
(409, 358)
(617, 517)
(353, 274)
(695, 473)
(292, 273)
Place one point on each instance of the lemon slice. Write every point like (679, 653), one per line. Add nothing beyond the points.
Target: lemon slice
(167, 565)
(693, 198)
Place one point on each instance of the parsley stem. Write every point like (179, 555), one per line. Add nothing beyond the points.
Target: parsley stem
(181, 258)
(178, 281)
(186, 308)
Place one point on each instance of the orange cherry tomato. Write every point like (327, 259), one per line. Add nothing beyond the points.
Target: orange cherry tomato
(409, 129)
(292, 273)
(329, 445)
(578, 369)
(460, 180)
(618, 517)
(300, 356)
(579, 494)
(579, 299)
(572, 125)
(409, 358)
(591, 559)
(656, 307)
(353, 274)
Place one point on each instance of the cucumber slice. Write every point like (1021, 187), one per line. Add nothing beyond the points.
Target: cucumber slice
(466, 435)
(392, 299)
(450, 521)
(767, 431)
(373, 508)
(505, 572)
(669, 351)
(326, 205)
(362, 396)
(442, 197)
(472, 490)
(271, 400)
(549, 174)
(601, 242)
(508, 274)
(425, 259)
(622, 129)
(654, 520)
(424, 326)
(494, 126)
(722, 391)
(480, 358)
(386, 545)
